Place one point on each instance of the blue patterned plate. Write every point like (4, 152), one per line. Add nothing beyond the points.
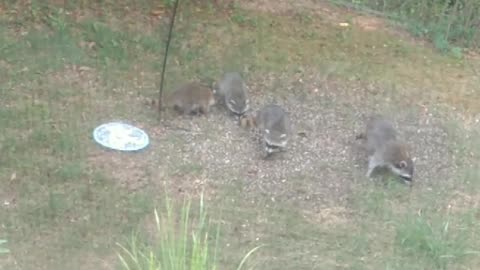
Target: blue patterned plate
(120, 136)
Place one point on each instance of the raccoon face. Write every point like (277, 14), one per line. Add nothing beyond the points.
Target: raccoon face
(404, 169)
(238, 105)
(275, 138)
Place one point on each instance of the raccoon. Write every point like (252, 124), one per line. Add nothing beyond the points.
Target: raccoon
(386, 150)
(233, 90)
(274, 125)
(191, 98)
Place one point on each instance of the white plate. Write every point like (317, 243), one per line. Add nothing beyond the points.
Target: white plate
(120, 136)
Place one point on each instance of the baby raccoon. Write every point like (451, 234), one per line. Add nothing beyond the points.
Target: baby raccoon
(385, 150)
(233, 90)
(274, 126)
(191, 98)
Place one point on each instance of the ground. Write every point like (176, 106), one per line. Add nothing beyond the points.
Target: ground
(66, 201)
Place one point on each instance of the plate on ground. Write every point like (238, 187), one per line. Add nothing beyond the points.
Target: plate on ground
(120, 136)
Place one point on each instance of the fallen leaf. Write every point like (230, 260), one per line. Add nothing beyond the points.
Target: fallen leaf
(87, 44)
(84, 68)
(157, 12)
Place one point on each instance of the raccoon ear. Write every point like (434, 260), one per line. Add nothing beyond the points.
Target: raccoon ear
(403, 164)
(232, 101)
(267, 131)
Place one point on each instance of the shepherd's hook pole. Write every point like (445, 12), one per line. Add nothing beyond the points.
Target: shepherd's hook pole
(172, 21)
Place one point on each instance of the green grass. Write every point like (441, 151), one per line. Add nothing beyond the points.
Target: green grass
(176, 245)
(387, 228)
(182, 240)
(3, 250)
(435, 241)
(422, 233)
(449, 25)
(68, 208)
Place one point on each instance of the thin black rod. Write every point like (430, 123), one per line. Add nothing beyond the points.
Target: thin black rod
(172, 21)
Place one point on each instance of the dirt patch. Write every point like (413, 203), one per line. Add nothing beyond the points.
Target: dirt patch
(127, 170)
(160, 166)
(328, 217)
(369, 23)
(462, 202)
(283, 7)
(93, 261)
(74, 84)
(319, 169)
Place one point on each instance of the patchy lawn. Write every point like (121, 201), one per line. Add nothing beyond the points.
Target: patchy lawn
(66, 201)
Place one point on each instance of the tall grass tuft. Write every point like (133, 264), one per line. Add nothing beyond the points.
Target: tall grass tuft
(183, 241)
(438, 240)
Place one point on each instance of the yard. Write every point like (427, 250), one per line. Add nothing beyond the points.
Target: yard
(67, 67)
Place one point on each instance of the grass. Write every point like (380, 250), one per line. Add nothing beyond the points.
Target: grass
(3, 250)
(68, 68)
(432, 241)
(450, 25)
(179, 242)
(418, 233)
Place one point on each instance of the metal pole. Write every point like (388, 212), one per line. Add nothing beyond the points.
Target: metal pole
(172, 21)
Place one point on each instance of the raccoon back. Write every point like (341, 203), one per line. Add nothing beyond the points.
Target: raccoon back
(191, 96)
(233, 90)
(379, 131)
(273, 117)
(231, 82)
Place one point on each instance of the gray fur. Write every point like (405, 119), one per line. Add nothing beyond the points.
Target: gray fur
(234, 91)
(386, 150)
(274, 126)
